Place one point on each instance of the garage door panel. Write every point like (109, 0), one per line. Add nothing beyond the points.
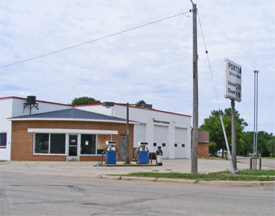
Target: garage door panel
(161, 139)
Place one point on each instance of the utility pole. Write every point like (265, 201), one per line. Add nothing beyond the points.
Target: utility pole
(233, 135)
(194, 144)
(127, 160)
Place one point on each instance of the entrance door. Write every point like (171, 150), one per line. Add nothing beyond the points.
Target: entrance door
(72, 150)
(122, 148)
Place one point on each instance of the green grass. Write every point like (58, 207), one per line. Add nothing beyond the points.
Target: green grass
(258, 172)
(245, 175)
(268, 157)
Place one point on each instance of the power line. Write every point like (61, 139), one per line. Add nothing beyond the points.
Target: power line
(223, 128)
(94, 40)
(206, 51)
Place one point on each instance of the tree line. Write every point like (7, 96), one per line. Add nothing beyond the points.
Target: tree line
(89, 100)
(244, 140)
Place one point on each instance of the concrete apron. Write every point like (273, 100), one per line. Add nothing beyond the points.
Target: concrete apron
(91, 169)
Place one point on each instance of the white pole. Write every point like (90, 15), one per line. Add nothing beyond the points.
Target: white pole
(255, 150)
(227, 146)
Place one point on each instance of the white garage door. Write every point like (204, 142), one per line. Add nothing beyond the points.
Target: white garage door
(180, 143)
(161, 139)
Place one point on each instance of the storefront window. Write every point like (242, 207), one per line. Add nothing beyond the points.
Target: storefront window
(41, 143)
(49, 143)
(88, 143)
(57, 144)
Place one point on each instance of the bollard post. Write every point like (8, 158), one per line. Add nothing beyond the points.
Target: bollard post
(260, 163)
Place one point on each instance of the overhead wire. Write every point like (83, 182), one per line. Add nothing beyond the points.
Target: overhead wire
(94, 40)
(223, 128)
(210, 68)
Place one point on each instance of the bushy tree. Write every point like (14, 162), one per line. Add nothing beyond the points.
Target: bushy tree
(248, 143)
(212, 124)
(213, 147)
(141, 102)
(271, 146)
(84, 100)
(262, 141)
(265, 143)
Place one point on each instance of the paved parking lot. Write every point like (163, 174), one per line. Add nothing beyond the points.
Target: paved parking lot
(91, 168)
(266, 163)
(77, 188)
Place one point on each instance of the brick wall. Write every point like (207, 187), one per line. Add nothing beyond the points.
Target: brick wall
(22, 141)
(203, 150)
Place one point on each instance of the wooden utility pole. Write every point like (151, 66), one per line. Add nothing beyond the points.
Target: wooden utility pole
(127, 160)
(194, 150)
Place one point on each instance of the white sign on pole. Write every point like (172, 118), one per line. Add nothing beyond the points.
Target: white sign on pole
(232, 80)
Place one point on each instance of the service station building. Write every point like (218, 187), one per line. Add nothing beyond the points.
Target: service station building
(36, 130)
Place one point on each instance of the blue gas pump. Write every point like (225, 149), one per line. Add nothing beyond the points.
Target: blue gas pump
(110, 155)
(143, 153)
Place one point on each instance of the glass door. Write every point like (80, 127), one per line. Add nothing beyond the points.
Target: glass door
(73, 148)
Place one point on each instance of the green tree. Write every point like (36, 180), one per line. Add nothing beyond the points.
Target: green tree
(84, 100)
(213, 147)
(141, 102)
(265, 143)
(271, 146)
(248, 143)
(262, 140)
(212, 124)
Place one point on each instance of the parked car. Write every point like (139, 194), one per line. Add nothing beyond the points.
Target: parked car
(212, 155)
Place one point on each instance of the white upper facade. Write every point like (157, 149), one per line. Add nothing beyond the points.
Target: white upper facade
(14, 106)
(171, 131)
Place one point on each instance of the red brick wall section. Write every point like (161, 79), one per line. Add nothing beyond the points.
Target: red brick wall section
(22, 141)
(203, 144)
(203, 150)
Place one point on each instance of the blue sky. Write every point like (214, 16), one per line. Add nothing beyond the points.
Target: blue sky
(153, 63)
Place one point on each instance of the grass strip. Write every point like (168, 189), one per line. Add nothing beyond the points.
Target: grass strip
(245, 175)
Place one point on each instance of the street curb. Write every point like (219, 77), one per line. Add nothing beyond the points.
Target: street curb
(127, 165)
(187, 181)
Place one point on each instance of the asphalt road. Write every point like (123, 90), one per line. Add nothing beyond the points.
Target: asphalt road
(32, 194)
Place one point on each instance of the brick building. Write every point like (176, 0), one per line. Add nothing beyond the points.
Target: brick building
(69, 134)
(32, 129)
(203, 144)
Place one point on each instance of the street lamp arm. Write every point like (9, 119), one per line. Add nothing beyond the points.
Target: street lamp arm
(111, 104)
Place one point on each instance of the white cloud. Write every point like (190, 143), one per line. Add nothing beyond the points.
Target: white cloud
(153, 63)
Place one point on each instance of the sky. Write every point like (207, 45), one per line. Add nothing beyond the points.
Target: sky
(151, 63)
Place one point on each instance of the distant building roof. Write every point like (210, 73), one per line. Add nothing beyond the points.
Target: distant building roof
(203, 137)
(70, 114)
